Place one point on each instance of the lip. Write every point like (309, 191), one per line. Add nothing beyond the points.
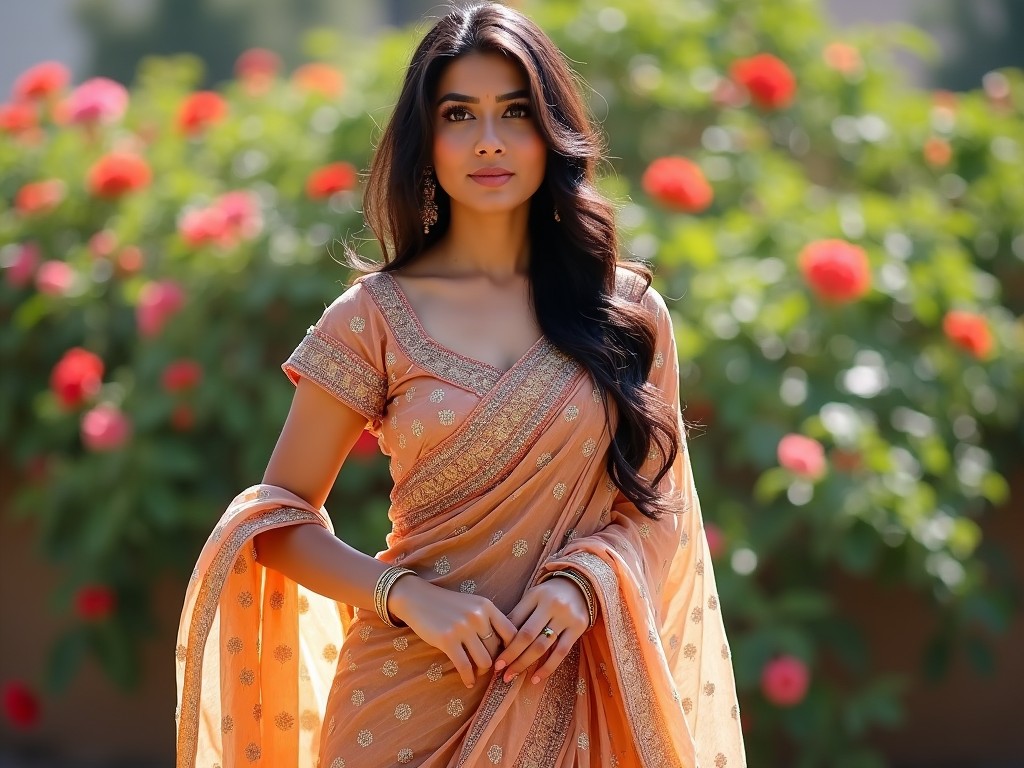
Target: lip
(491, 177)
(494, 171)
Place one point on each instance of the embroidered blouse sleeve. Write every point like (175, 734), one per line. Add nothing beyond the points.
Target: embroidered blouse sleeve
(344, 354)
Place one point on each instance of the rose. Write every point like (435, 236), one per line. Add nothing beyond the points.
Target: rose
(677, 183)
(76, 377)
(843, 58)
(325, 181)
(103, 243)
(199, 111)
(203, 225)
(784, 681)
(94, 602)
(715, 539)
(39, 196)
(41, 81)
(767, 79)
(837, 271)
(54, 278)
(937, 152)
(17, 117)
(232, 217)
(181, 375)
(803, 456)
(22, 266)
(319, 78)
(969, 331)
(241, 211)
(105, 428)
(97, 100)
(256, 68)
(21, 705)
(158, 301)
(116, 174)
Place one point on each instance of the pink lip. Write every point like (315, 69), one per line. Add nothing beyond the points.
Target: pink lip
(495, 171)
(491, 177)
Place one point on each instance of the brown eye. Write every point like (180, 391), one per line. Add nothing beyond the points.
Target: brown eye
(455, 114)
(518, 110)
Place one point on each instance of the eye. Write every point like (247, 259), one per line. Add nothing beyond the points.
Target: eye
(519, 109)
(455, 113)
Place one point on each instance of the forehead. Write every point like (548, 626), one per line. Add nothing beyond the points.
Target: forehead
(483, 75)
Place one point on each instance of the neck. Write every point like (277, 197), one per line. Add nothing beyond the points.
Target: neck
(495, 245)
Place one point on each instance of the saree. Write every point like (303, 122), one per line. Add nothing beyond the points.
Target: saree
(500, 477)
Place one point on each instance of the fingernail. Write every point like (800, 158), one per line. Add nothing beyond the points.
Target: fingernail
(509, 678)
(536, 679)
(500, 665)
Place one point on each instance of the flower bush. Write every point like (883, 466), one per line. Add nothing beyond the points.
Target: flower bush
(842, 256)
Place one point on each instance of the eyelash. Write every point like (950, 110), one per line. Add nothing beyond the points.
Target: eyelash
(452, 109)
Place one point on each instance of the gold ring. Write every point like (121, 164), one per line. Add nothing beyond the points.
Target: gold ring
(547, 632)
(488, 635)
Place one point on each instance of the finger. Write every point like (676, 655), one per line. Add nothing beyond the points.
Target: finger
(503, 627)
(478, 654)
(522, 611)
(520, 641)
(537, 644)
(555, 657)
(463, 666)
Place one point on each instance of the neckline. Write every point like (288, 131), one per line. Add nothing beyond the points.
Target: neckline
(430, 340)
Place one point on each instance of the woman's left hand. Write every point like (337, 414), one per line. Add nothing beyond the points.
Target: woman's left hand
(557, 604)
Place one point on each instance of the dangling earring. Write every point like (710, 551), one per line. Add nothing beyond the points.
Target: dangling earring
(429, 211)
(557, 217)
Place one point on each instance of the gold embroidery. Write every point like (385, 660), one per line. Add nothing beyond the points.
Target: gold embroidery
(455, 707)
(341, 371)
(589, 447)
(284, 721)
(338, 762)
(434, 672)
(571, 413)
(403, 712)
(496, 537)
(400, 643)
(494, 754)
(558, 491)
(417, 428)
(410, 393)
(520, 548)
(234, 645)
(276, 600)
(543, 460)
(468, 587)
(442, 566)
(390, 668)
(358, 698)
(365, 738)
(330, 652)
(437, 396)
(446, 417)
(357, 324)
(550, 725)
(404, 755)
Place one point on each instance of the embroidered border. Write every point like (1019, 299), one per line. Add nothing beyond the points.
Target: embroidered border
(650, 730)
(203, 613)
(492, 440)
(554, 716)
(440, 361)
(341, 371)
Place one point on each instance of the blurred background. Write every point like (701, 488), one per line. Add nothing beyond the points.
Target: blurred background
(831, 195)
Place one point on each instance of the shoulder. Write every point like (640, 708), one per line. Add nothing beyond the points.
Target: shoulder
(354, 310)
(635, 287)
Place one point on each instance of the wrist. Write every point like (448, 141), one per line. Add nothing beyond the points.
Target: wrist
(406, 593)
(582, 587)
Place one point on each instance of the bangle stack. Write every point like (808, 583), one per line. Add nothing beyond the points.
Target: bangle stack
(584, 585)
(380, 593)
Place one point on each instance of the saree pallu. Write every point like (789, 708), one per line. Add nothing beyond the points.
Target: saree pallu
(500, 477)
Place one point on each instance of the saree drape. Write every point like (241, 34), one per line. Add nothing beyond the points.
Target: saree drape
(499, 477)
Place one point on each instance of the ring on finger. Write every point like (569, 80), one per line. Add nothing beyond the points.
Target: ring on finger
(488, 635)
(548, 632)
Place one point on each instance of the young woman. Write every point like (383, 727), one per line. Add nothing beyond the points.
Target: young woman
(546, 597)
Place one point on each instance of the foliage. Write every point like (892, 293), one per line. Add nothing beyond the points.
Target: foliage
(908, 202)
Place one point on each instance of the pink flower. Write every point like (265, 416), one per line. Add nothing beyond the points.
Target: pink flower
(102, 243)
(181, 375)
(22, 267)
(803, 456)
(54, 278)
(21, 705)
(836, 270)
(241, 211)
(256, 68)
(43, 80)
(715, 538)
(232, 217)
(157, 302)
(203, 225)
(95, 602)
(105, 428)
(784, 681)
(98, 100)
(39, 197)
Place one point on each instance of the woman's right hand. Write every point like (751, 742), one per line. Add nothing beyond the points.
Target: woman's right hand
(456, 624)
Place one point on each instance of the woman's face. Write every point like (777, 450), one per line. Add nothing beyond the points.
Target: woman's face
(483, 125)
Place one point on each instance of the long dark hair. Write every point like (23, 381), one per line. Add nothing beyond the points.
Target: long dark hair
(573, 264)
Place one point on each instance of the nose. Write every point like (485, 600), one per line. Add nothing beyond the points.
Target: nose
(489, 142)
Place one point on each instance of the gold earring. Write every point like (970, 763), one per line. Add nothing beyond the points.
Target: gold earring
(557, 217)
(429, 210)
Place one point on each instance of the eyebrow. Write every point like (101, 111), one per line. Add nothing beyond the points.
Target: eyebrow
(474, 100)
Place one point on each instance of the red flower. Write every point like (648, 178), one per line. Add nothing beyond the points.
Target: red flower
(18, 117)
(767, 79)
(836, 270)
(232, 217)
(325, 181)
(969, 331)
(366, 446)
(677, 183)
(256, 69)
(715, 538)
(201, 110)
(105, 428)
(784, 681)
(203, 225)
(76, 377)
(22, 266)
(21, 705)
(98, 100)
(41, 81)
(937, 152)
(157, 302)
(181, 375)
(39, 196)
(95, 602)
(117, 173)
(54, 278)
(802, 456)
(319, 78)
(183, 418)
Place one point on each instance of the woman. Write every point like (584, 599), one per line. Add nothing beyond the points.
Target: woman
(546, 597)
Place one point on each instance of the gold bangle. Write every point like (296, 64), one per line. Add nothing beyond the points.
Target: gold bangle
(383, 588)
(584, 585)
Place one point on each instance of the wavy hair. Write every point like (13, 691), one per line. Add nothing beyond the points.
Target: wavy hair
(573, 285)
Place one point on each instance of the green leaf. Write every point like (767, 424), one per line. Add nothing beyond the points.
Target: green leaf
(65, 658)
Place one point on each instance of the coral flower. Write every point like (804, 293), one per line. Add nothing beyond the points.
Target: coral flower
(325, 181)
(843, 57)
(181, 375)
(678, 183)
(836, 270)
(969, 331)
(319, 78)
(18, 117)
(784, 681)
(118, 173)
(20, 270)
(95, 602)
(803, 456)
(937, 152)
(105, 428)
(54, 278)
(157, 303)
(201, 110)
(41, 81)
(98, 100)
(767, 79)
(21, 705)
(76, 377)
(39, 196)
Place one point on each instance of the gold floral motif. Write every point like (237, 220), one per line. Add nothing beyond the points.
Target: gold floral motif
(442, 566)
(659, 359)
(520, 548)
(341, 371)
(434, 672)
(226, 724)
(581, 687)
(589, 446)
(690, 651)
(364, 738)
(494, 754)
(437, 395)
(696, 615)
(394, 422)
(405, 756)
(401, 440)
(455, 707)
(583, 742)
(284, 721)
(595, 393)
(180, 652)
(330, 652)
(546, 537)
(276, 600)
(338, 762)
(303, 604)
(571, 413)
(364, 632)
(410, 393)
(673, 642)
(734, 712)
(700, 567)
(403, 712)
(713, 603)
(720, 760)
(496, 537)
(257, 712)
(559, 490)
(234, 645)
(725, 651)
(246, 677)
(543, 460)
(468, 587)
(358, 697)
(245, 599)
(687, 705)
(240, 565)
(332, 725)
(684, 539)
(357, 324)
(709, 688)
(644, 531)
(252, 752)
(390, 668)
(446, 417)
(400, 643)
(389, 359)
(283, 653)
(417, 428)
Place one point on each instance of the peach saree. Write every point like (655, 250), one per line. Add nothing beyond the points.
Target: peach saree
(499, 477)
